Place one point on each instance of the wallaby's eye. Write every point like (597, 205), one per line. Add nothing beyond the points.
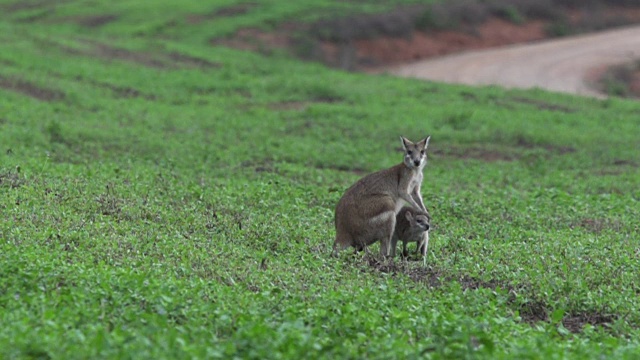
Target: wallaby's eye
(409, 152)
(422, 152)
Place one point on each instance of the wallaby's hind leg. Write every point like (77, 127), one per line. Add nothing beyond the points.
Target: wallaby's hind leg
(380, 227)
(394, 243)
(387, 223)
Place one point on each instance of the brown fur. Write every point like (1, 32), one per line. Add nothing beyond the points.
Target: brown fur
(411, 226)
(367, 211)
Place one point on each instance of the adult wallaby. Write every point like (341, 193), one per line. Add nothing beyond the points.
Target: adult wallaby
(412, 225)
(367, 211)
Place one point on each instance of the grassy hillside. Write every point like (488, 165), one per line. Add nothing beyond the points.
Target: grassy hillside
(164, 198)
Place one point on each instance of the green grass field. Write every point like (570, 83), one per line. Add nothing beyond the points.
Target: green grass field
(163, 198)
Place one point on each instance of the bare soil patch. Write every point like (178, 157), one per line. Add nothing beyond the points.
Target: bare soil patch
(598, 225)
(11, 179)
(539, 104)
(618, 80)
(30, 89)
(290, 105)
(6, 62)
(260, 166)
(228, 11)
(124, 92)
(152, 59)
(108, 203)
(258, 40)
(114, 53)
(302, 104)
(524, 142)
(192, 61)
(476, 153)
(30, 5)
(576, 322)
(428, 275)
(622, 162)
(97, 20)
(531, 312)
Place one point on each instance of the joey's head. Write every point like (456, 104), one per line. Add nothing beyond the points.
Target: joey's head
(415, 154)
(420, 222)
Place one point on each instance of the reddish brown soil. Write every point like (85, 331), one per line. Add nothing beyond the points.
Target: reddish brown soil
(595, 78)
(232, 10)
(30, 89)
(495, 32)
(634, 84)
(258, 40)
(96, 21)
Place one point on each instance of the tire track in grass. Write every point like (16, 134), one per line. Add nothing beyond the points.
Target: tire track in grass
(30, 89)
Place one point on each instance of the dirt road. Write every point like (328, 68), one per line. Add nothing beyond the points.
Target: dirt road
(564, 65)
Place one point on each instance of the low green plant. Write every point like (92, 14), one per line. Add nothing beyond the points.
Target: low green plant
(617, 80)
(511, 13)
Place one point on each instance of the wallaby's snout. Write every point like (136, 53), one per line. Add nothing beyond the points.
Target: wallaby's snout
(416, 162)
(423, 222)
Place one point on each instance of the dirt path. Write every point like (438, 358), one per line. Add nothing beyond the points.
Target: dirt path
(564, 65)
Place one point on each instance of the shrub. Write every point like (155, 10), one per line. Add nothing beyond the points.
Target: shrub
(616, 81)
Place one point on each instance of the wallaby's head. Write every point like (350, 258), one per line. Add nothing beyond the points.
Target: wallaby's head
(419, 221)
(415, 154)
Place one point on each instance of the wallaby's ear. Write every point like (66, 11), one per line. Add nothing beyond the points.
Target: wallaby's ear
(405, 142)
(408, 215)
(425, 142)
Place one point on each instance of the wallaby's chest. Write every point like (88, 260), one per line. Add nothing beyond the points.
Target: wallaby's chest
(414, 181)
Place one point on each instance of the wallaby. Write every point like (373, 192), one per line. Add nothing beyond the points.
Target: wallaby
(412, 225)
(367, 211)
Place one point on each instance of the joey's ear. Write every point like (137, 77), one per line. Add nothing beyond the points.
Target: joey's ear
(405, 142)
(408, 215)
(425, 142)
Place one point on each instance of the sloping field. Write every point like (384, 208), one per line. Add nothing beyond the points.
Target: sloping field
(164, 198)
